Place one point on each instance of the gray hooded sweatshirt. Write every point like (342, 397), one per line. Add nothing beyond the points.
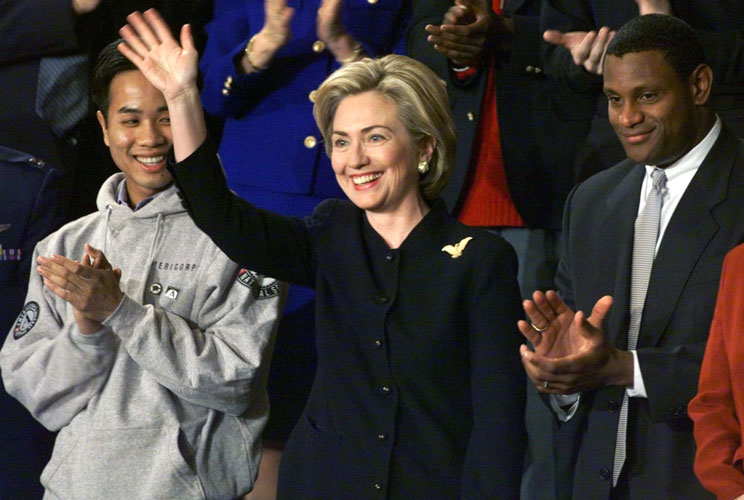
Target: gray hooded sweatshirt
(168, 400)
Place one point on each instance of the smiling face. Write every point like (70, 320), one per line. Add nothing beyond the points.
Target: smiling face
(373, 155)
(138, 134)
(654, 113)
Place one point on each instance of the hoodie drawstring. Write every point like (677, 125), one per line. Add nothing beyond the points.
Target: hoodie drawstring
(155, 238)
(106, 229)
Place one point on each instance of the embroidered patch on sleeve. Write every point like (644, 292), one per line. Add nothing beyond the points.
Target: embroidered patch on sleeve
(26, 320)
(261, 287)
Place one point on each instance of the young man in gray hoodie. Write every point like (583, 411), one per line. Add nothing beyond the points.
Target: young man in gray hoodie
(154, 371)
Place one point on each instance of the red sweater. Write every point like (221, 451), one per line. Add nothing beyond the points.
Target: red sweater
(718, 408)
(487, 202)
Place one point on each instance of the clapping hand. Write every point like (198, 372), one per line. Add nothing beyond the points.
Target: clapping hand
(328, 25)
(275, 34)
(332, 32)
(90, 286)
(468, 30)
(586, 47)
(277, 26)
(571, 353)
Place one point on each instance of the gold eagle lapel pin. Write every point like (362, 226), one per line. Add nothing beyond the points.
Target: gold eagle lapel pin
(456, 250)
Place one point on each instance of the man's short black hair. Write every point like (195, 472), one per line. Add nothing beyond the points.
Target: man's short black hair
(110, 63)
(674, 38)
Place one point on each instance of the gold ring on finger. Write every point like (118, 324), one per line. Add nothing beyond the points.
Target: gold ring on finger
(537, 328)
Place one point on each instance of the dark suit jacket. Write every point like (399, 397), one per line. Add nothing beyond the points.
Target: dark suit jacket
(540, 122)
(720, 27)
(598, 239)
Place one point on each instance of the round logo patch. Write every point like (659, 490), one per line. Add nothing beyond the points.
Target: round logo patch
(26, 320)
(261, 287)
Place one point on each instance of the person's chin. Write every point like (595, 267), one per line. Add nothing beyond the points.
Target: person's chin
(640, 154)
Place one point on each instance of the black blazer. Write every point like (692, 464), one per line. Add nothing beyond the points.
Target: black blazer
(540, 122)
(598, 238)
(419, 391)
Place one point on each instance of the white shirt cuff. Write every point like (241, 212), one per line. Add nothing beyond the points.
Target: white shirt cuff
(558, 401)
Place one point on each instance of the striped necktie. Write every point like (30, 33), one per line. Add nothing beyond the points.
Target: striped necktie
(644, 250)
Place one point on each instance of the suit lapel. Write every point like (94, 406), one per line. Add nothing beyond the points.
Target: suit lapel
(614, 250)
(689, 232)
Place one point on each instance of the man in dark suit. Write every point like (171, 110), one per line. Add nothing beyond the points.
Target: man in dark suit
(30, 209)
(525, 155)
(580, 30)
(642, 353)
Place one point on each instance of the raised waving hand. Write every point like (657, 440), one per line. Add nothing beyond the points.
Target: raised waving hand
(171, 68)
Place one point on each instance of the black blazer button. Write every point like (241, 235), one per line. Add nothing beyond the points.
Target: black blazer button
(612, 406)
(605, 474)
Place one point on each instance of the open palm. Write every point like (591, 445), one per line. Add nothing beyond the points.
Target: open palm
(561, 338)
(169, 66)
(564, 332)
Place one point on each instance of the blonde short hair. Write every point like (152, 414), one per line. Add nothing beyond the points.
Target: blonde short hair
(420, 96)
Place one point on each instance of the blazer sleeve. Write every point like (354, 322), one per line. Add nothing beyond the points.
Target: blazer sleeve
(565, 16)
(425, 12)
(233, 24)
(497, 381)
(266, 242)
(717, 429)
(563, 281)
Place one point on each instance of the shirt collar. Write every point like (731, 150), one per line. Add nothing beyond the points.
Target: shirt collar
(122, 198)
